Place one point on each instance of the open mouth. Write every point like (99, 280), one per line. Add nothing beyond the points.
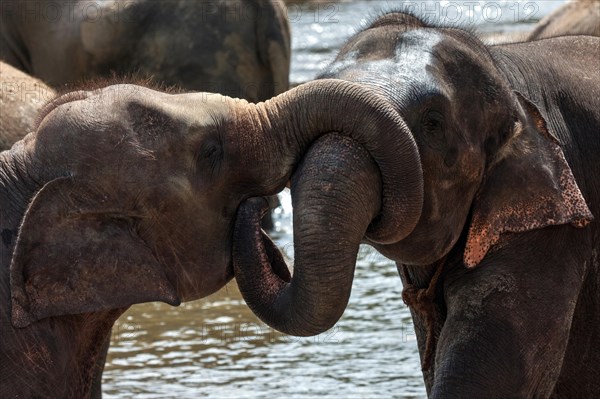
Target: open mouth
(336, 190)
(276, 259)
(248, 232)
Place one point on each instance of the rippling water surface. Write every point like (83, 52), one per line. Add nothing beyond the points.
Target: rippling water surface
(215, 347)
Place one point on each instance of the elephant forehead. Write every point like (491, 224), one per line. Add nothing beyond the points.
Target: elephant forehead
(71, 119)
(203, 108)
(415, 51)
(123, 92)
(147, 109)
(199, 109)
(407, 60)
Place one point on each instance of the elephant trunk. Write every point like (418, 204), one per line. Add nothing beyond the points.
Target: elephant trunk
(288, 124)
(336, 193)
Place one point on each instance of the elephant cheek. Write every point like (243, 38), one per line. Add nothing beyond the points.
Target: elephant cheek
(197, 281)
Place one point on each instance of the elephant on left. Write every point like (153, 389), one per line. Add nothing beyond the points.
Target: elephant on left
(21, 97)
(125, 195)
(239, 48)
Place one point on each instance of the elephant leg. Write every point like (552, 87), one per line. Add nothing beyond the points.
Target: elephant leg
(508, 320)
(96, 392)
(584, 346)
(426, 325)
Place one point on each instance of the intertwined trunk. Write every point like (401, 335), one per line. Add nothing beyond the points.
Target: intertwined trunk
(364, 181)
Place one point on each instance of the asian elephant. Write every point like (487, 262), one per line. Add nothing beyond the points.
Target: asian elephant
(124, 194)
(580, 17)
(21, 97)
(234, 47)
(490, 216)
(576, 17)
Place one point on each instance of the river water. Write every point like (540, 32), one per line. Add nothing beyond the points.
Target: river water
(216, 348)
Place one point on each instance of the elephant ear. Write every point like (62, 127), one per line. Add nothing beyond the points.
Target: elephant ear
(528, 186)
(77, 253)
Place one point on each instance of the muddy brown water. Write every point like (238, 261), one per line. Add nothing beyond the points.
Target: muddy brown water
(216, 348)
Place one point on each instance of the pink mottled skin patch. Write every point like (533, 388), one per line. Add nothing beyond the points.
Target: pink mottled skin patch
(564, 205)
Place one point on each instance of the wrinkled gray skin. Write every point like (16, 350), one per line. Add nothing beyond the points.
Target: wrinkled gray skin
(508, 151)
(234, 47)
(21, 97)
(125, 195)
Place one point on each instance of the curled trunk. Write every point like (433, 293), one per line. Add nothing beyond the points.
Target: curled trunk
(366, 181)
(288, 124)
(336, 193)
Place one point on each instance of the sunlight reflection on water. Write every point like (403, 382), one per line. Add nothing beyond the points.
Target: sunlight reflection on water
(216, 347)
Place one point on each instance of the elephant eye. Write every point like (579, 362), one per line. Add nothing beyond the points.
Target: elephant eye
(208, 159)
(210, 150)
(433, 122)
(432, 126)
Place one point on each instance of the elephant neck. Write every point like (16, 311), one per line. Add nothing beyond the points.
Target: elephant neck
(88, 336)
(68, 362)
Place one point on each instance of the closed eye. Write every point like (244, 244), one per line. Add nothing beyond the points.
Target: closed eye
(433, 120)
(208, 159)
(214, 154)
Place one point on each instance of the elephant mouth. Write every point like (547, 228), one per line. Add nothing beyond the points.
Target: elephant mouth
(276, 259)
(336, 192)
(256, 240)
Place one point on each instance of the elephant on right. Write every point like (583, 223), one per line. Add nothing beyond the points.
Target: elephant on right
(581, 17)
(489, 214)
(576, 17)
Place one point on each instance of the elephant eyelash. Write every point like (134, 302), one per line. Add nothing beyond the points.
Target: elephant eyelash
(208, 159)
(433, 124)
(432, 120)
(215, 155)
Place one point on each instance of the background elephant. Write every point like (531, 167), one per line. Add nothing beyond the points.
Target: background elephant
(580, 17)
(125, 195)
(577, 17)
(21, 97)
(494, 235)
(237, 48)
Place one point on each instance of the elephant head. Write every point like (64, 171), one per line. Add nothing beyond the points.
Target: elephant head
(125, 194)
(486, 159)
